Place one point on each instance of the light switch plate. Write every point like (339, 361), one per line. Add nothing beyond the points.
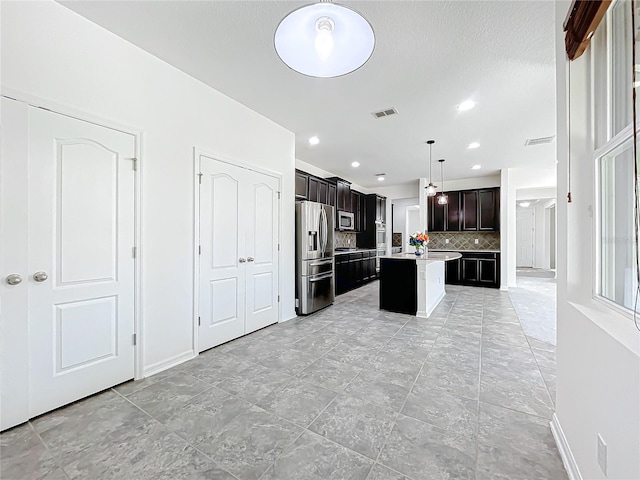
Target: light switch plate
(446, 240)
(475, 241)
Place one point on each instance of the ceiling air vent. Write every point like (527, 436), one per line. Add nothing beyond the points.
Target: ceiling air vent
(385, 113)
(539, 141)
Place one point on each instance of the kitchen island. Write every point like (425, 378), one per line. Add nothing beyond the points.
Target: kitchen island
(413, 284)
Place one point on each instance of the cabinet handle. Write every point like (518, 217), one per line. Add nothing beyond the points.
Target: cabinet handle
(242, 260)
(250, 259)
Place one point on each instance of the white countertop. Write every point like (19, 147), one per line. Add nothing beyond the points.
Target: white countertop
(462, 250)
(430, 256)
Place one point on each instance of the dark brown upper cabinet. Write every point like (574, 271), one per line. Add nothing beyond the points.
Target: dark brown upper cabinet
(332, 193)
(453, 212)
(302, 185)
(343, 194)
(489, 209)
(470, 210)
(467, 210)
(318, 190)
(437, 215)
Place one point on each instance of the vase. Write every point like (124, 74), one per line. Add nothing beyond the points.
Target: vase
(418, 251)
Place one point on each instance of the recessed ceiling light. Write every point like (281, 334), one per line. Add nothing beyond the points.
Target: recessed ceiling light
(355, 164)
(314, 140)
(473, 145)
(380, 179)
(476, 167)
(525, 204)
(466, 105)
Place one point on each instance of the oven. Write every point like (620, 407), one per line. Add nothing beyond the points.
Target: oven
(381, 234)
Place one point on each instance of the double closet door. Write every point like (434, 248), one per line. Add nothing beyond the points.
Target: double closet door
(238, 261)
(67, 272)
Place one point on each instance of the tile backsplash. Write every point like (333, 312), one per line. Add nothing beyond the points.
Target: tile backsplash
(344, 239)
(465, 240)
(396, 239)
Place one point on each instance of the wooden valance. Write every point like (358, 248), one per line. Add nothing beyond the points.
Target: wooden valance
(582, 20)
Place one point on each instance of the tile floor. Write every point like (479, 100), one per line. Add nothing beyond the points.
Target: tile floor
(348, 393)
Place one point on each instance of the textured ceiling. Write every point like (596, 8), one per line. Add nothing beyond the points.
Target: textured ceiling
(429, 57)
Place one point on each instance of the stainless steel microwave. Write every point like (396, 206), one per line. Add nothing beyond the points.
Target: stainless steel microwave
(345, 221)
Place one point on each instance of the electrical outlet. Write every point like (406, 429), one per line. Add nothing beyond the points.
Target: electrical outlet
(349, 241)
(446, 240)
(602, 454)
(475, 241)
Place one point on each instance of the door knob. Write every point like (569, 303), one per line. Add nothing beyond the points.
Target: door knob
(14, 279)
(40, 276)
(249, 259)
(242, 260)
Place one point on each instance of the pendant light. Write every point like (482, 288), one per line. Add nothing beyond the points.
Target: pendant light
(431, 188)
(324, 40)
(443, 199)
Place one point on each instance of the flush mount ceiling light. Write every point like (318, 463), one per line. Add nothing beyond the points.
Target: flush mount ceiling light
(355, 164)
(525, 204)
(324, 40)
(473, 145)
(466, 105)
(381, 179)
(314, 141)
(476, 167)
(431, 188)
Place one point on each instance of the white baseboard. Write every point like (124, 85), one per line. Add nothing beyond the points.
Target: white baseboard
(565, 452)
(287, 319)
(168, 363)
(504, 288)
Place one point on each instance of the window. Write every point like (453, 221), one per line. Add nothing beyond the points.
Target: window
(613, 113)
(617, 227)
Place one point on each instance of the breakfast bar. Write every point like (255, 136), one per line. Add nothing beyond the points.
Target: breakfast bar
(413, 284)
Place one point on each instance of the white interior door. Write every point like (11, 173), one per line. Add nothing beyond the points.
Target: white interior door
(261, 233)
(238, 280)
(14, 327)
(222, 275)
(524, 237)
(81, 267)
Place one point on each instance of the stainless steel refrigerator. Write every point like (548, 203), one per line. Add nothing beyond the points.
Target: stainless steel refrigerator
(315, 282)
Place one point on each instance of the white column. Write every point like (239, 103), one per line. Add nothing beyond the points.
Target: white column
(424, 220)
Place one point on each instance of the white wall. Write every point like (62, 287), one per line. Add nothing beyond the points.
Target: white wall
(598, 354)
(52, 53)
(507, 229)
(318, 172)
(487, 181)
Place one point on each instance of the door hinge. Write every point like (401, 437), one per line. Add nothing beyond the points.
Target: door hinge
(278, 247)
(278, 298)
(199, 249)
(200, 178)
(278, 195)
(134, 163)
(135, 338)
(198, 321)
(135, 252)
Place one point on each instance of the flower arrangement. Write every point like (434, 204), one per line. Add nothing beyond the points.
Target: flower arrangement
(419, 240)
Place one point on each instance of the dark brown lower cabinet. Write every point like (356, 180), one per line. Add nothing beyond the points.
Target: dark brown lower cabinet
(480, 269)
(469, 273)
(398, 286)
(354, 270)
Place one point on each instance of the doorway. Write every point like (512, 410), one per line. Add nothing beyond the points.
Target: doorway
(525, 229)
